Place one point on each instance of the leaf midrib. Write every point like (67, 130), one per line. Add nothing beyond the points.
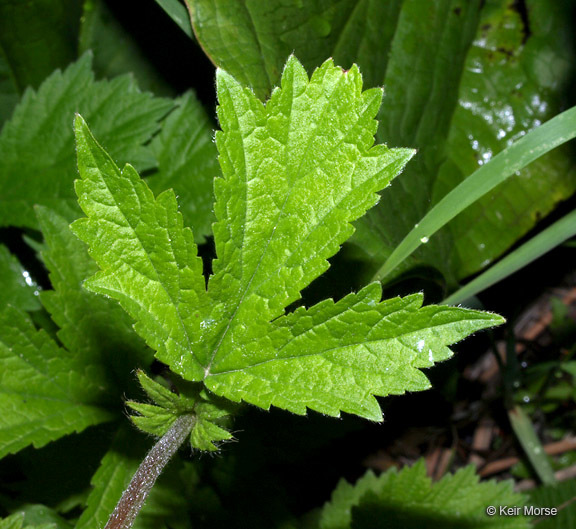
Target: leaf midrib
(278, 218)
(327, 351)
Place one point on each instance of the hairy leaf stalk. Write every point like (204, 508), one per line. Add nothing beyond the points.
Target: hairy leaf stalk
(135, 495)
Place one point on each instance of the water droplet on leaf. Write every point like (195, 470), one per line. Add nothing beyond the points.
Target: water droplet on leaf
(27, 278)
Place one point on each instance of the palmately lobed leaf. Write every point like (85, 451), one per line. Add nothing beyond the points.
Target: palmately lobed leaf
(296, 172)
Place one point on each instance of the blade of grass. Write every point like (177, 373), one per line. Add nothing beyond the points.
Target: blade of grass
(524, 430)
(549, 238)
(177, 12)
(536, 143)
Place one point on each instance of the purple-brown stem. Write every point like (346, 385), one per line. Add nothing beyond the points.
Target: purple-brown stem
(135, 495)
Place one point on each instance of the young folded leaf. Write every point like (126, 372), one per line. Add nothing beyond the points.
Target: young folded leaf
(207, 430)
(296, 172)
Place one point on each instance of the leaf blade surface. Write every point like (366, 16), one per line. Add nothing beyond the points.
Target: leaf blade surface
(337, 356)
(43, 395)
(407, 498)
(124, 117)
(149, 259)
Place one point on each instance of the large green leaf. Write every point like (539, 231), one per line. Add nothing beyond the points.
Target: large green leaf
(390, 41)
(427, 55)
(252, 39)
(44, 392)
(512, 82)
(503, 91)
(295, 173)
(557, 131)
(37, 163)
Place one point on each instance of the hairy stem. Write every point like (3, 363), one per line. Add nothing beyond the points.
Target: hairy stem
(135, 495)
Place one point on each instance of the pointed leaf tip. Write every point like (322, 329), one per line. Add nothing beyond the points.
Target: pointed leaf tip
(81, 129)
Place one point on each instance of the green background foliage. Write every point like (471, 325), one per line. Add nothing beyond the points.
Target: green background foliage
(462, 82)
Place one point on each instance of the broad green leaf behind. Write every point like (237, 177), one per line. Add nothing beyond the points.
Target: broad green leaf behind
(515, 78)
(38, 37)
(37, 163)
(463, 79)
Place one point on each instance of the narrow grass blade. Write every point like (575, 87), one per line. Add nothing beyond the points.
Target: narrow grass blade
(540, 244)
(524, 430)
(177, 12)
(536, 143)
